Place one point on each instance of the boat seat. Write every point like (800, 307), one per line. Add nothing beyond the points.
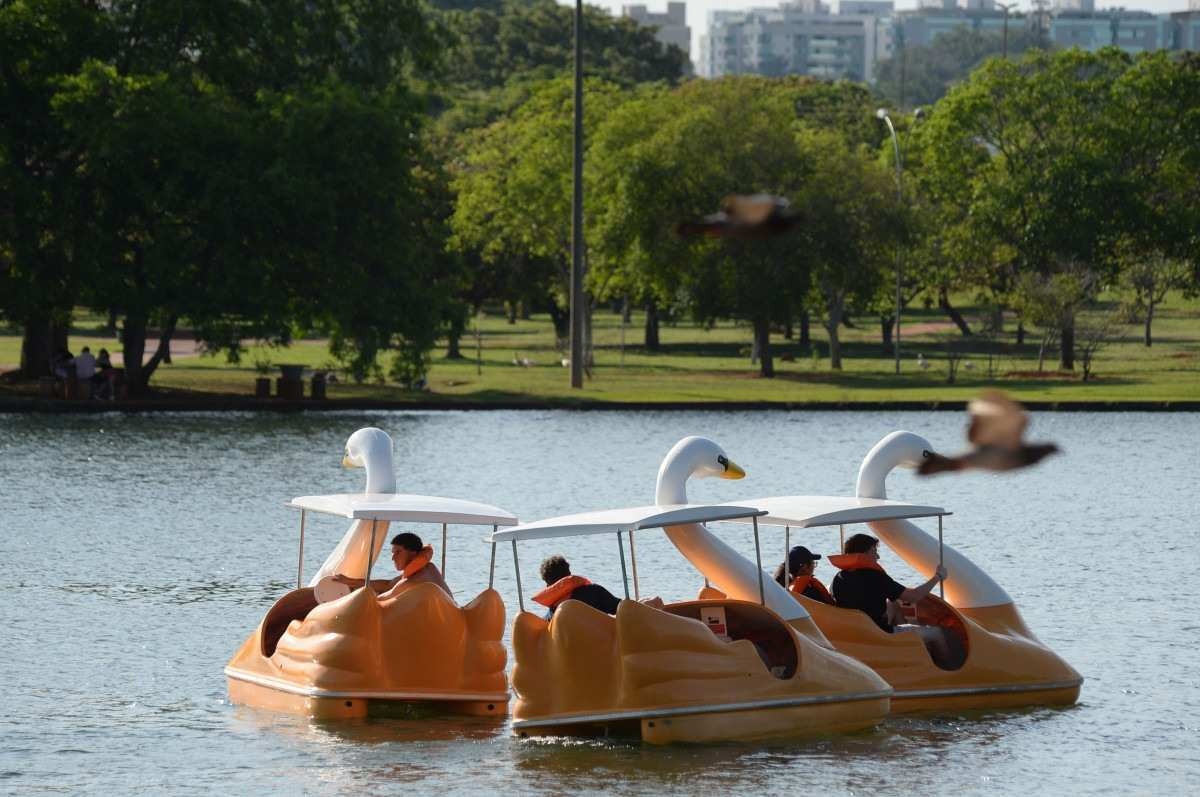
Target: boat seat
(293, 606)
(770, 636)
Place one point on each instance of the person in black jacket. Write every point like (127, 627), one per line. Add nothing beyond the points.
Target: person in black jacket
(562, 586)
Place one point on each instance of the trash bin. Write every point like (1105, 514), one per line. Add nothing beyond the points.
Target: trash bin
(318, 386)
(290, 385)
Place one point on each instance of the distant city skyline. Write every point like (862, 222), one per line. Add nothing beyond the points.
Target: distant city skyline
(697, 10)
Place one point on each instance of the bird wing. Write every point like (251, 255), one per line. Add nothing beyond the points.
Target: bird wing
(996, 420)
(715, 225)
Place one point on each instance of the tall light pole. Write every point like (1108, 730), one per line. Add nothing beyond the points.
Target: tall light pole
(1005, 7)
(882, 113)
(577, 309)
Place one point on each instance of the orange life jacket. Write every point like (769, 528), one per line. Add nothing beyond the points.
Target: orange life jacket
(559, 591)
(801, 583)
(418, 562)
(855, 561)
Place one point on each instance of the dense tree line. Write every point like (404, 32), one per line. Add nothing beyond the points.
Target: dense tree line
(374, 171)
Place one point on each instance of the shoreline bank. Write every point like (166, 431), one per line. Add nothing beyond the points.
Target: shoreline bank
(17, 405)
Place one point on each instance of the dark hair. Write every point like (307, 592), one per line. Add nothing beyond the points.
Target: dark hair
(860, 543)
(554, 568)
(796, 560)
(408, 541)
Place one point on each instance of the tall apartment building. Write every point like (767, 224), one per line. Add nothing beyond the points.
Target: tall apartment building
(1187, 28)
(1132, 31)
(795, 38)
(672, 27)
(805, 38)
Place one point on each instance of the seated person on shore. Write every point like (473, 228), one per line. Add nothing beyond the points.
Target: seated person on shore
(413, 559)
(801, 564)
(561, 586)
(85, 365)
(103, 378)
(862, 584)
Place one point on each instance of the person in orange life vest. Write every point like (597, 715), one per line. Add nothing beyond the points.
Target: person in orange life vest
(413, 559)
(862, 583)
(561, 586)
(799, 579)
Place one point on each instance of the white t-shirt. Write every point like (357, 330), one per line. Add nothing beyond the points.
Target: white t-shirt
(85, 365)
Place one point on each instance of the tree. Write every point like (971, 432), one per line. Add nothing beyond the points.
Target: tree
(922, 75)
(513, 190)
(665, 156)
(1020, 147)
(1150, 278)
(852, 226)
(533, 38)
(226, 160)
(40, 42)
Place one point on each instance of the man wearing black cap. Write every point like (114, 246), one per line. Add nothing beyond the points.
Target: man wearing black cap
(799, 578)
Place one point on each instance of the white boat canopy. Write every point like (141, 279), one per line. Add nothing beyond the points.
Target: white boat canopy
(620, 521)
(402, 507)
(810, 511)
(617, 522)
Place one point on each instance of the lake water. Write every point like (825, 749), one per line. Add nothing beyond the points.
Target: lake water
(139, 551)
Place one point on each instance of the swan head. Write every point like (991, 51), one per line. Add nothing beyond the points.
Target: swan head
(366, 445)
(371, 448)
(692, 456)
(897, 450)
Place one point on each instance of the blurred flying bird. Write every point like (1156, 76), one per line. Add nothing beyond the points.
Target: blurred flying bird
(997, 426)
(742, 216)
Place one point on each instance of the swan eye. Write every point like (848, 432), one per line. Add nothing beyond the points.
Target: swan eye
(926, 454)
(723, 461)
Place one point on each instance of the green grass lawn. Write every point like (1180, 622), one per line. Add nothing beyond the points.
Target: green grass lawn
(702, 365)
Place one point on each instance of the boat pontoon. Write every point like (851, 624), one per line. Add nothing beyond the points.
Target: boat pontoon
(995, 661)
(702, 670)
(331, 652)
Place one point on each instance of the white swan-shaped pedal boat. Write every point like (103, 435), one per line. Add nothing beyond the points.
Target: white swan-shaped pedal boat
(343, 656)
(694, 671)
(997, 663)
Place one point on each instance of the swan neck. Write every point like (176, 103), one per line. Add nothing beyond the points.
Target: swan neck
(872, 476)
(381, 476)
(672, 482)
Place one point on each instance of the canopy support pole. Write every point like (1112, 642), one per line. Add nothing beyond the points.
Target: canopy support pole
(842, 536)
(624, 575)
(637, 592)
(762, 591)
(370, 558)
(517, 567)
(942, 583)
(300, 564)
(443, 550)
(787, 556)
(492, 566)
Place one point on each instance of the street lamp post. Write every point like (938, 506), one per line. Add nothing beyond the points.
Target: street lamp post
(1005, 7)
(577, 309)
(882, 113)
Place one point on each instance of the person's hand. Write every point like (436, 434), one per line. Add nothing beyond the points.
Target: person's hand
(940, 573)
